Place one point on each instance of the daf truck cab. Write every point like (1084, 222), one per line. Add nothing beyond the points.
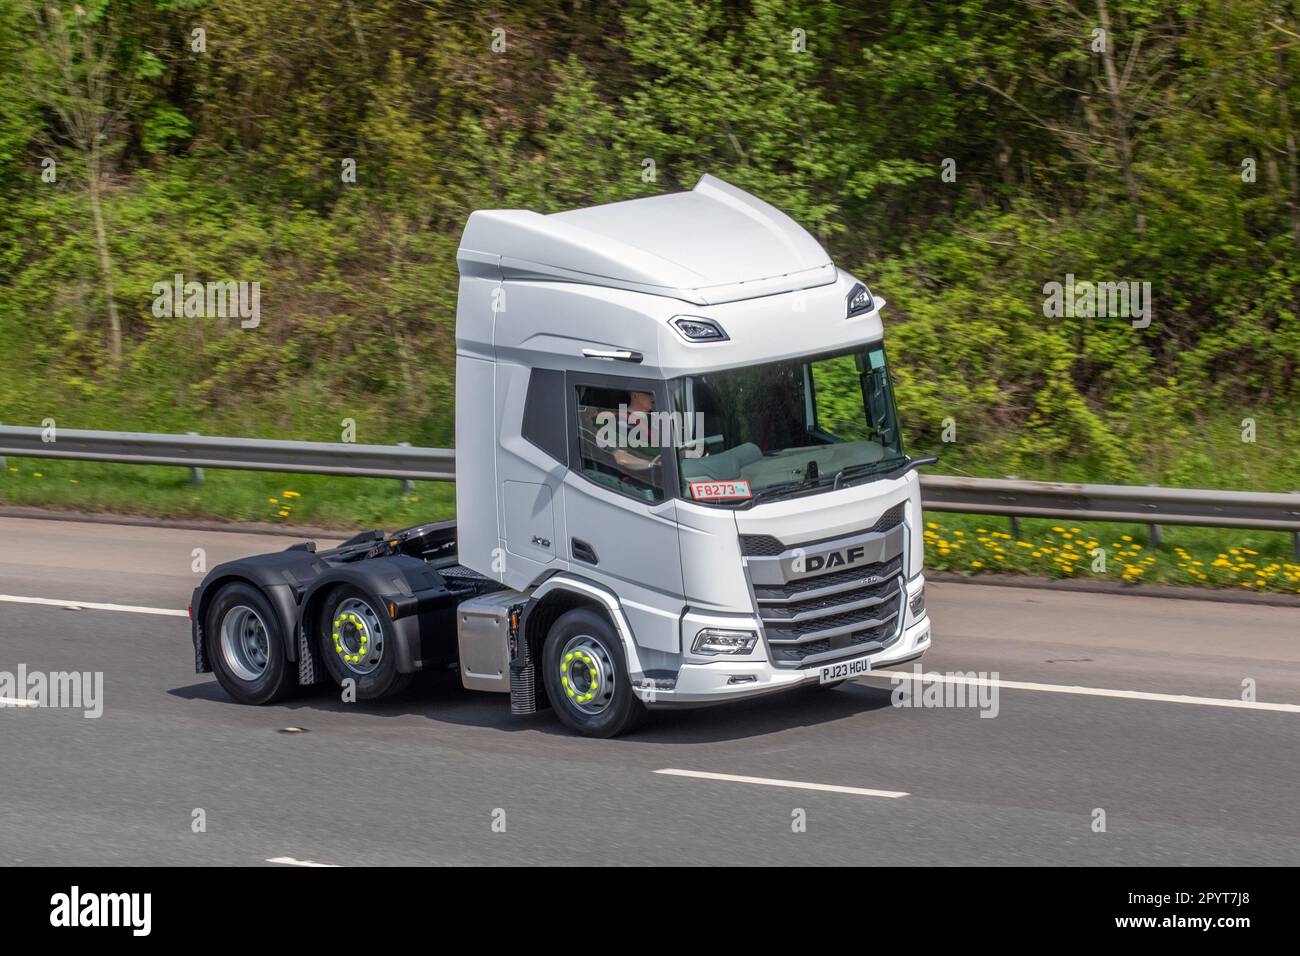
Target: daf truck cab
(680, 480)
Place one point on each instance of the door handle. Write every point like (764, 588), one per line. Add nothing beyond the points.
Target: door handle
(619, 355)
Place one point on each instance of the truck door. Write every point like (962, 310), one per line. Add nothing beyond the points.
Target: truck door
(619, 501)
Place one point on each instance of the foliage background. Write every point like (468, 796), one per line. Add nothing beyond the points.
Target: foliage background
(225, 164)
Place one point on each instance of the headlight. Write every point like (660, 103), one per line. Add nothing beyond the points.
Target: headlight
(860, 300)
(716, 640)
(693, 328)
(917, 603)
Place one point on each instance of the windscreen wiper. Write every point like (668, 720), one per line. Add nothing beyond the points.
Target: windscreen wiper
(898, 471)
(785, 489)
(790, 488)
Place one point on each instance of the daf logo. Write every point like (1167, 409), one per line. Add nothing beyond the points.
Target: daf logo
(835, 559)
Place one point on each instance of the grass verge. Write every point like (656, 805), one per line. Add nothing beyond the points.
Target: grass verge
(325, 501)
(1198, 557)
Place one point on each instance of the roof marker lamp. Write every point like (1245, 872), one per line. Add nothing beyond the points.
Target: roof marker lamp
(861, 300)
(717, 640)
(695, 329)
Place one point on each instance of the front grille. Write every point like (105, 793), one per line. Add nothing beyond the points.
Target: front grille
(854, 595)
(828, 615)
(886, 569)
(882, 634)
(760, 545)
(766, 546)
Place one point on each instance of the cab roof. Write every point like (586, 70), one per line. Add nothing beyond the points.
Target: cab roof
(714, 244)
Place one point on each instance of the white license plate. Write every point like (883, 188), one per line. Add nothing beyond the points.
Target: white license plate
(845, 670)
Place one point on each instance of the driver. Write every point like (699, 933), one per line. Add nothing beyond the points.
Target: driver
(638, 458)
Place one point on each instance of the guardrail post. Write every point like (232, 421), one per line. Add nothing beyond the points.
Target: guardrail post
(407, 484)
(196, 474)
(1153, 530)
(1015, 519)
(1295, 535)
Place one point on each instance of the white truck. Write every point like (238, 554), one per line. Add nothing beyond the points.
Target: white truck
(679, 481)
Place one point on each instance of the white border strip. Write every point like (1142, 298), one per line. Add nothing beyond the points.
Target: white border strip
(791, 784)
(290, 861)
(88, 606)
(1091, 691)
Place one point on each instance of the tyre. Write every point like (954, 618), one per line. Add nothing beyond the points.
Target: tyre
(356, 643)
(246, 646)
(586, 676)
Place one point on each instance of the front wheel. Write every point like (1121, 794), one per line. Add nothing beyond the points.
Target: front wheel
(586, 676)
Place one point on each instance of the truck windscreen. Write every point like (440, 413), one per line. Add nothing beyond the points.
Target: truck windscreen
(757, 431)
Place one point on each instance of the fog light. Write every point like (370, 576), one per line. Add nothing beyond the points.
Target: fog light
(917, 603)
(716, 640)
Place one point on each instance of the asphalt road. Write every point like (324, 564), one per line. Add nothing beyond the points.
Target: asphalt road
(424, 778)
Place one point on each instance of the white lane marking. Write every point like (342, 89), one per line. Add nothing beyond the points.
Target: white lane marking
(1094, 691)
(791, 784)
(18, 702)
(87, 606)
(290, 861)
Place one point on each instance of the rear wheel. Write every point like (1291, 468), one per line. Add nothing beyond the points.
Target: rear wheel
(356, 643)
(246, 646)
(586, 676)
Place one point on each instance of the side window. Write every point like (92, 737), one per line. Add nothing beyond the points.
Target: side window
(619, 440)
(544, 413)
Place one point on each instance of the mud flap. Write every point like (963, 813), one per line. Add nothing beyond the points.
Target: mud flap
(201, 665)
(523, 675)
(309, 668)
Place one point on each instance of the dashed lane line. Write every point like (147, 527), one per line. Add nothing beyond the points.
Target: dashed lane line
(788, 784)
(91, 606)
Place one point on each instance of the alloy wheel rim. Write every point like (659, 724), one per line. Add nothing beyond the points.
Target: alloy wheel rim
(587, 674)
(358, 636)
(245, 643)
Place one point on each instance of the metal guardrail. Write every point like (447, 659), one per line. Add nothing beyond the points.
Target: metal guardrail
(1123, 503)
(1012, 498)
(255, 454)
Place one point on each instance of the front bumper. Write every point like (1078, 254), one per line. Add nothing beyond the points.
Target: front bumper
(723, 680)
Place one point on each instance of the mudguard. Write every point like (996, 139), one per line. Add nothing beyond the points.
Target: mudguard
(282, 576)
(419, 602)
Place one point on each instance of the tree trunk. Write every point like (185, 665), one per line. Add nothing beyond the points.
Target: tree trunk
(101, 244)
(1123, 144)
(1288, 133)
